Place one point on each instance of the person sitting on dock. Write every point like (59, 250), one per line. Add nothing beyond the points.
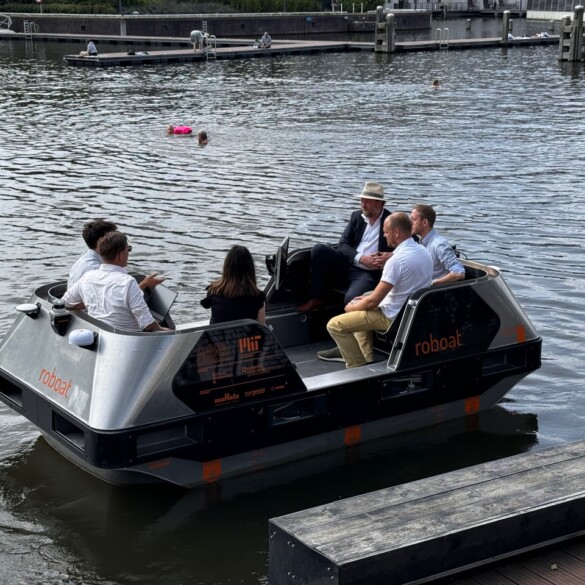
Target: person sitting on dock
(110, 294)
(265, 41)
(409, 269)
(91, 49)
(179, 130)
(446, 266)
(358, 259)
(202, 137)
(198, 39)
(236, 294)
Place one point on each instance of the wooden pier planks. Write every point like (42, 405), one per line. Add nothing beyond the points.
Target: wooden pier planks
(186, 55)
(247, 51)
(430, 528)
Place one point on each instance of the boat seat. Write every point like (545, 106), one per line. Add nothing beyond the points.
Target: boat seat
(386, 338)
(57, 291)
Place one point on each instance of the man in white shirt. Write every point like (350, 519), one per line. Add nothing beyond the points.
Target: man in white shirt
(110, 294)
(92, 233)
(446, 266)
(408, 270)
(91, 260)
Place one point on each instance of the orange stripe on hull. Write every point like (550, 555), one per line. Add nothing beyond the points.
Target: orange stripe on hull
(472, 405)
(212, 470)
(353, 435)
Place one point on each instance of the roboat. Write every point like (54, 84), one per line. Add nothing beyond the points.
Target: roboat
(206, 402)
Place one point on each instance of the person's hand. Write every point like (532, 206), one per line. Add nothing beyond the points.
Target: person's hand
(370, 260)
(351, 305)
(152, 280)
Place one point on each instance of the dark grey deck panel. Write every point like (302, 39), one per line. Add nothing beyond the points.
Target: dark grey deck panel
(418, 531)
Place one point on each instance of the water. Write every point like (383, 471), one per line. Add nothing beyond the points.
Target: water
(497, 150)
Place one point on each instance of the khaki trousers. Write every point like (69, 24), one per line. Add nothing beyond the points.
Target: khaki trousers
(353, 334)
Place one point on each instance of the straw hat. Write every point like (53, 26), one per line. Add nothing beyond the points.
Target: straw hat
(373, 191)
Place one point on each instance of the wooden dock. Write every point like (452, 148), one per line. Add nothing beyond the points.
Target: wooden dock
(179, 50)
(437, 527)
(221, 52)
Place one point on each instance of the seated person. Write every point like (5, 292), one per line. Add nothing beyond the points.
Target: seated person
(179, 129)
(110, 294)
(91, 49)
(408, 270)
(92, 233)
(446, 265)
(236, 294)
(357, 262)
(265, 41)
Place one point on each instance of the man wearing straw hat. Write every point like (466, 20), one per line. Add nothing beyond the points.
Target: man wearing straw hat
(355, 265)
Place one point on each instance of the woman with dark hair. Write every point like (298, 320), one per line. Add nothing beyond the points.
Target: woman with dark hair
(236, 295)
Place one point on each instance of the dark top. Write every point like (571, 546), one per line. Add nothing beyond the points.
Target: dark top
(352, 235)
(224, 309)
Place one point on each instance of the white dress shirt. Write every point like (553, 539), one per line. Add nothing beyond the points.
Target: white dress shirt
(409, 269)
(111, 295)
(91, 260)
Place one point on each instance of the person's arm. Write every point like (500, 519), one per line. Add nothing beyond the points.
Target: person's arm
(154, 326)
(261, 318)
(72, 298)
(449, 262)
(450, 277)
(370, 301)
(151, 281)
(140, 310)
(350, 237)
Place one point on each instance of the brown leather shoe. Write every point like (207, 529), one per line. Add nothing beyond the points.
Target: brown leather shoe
(310, 305)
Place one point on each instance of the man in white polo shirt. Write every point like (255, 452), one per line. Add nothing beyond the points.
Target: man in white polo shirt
(110, 294)
(409, 269)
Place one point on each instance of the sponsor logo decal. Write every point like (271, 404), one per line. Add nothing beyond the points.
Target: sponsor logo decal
(55, 383)
(250, 344)
(437, 344)
(227, 397)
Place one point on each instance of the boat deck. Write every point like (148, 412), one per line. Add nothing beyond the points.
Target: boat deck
(309, 365)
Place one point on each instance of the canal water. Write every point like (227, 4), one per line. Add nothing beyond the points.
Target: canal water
(497, 149)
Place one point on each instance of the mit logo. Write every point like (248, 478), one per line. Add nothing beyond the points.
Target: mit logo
(250, 344)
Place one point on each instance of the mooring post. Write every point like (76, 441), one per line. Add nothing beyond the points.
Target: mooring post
(505, 26)
(565, 38)
(571, 36)
(380, 31)
(390, 34)
(577, 35)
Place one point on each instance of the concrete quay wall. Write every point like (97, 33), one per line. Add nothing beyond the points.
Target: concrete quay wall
(236, 25)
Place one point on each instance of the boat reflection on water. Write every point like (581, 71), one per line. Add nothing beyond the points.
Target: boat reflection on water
(143, 530)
